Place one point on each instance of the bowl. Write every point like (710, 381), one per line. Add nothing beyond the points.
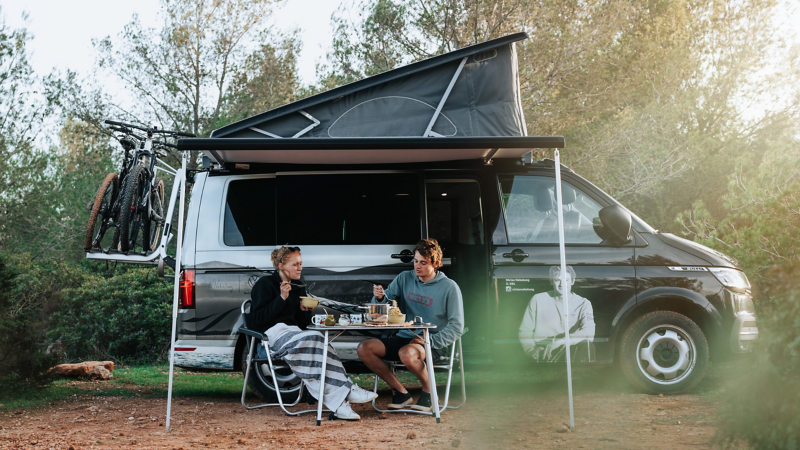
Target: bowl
(397, 318)
(309, 302)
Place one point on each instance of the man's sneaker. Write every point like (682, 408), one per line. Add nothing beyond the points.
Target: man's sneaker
(345, 412)
(400, 401)
(423, 403)
(359, 395)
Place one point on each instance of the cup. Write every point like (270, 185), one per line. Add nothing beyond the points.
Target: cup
(355, 319)
(418, 320)
(318, 319)
(344, 319)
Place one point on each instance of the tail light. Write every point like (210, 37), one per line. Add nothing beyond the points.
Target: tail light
(187, 289)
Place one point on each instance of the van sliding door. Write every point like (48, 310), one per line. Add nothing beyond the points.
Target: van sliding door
(354, 229)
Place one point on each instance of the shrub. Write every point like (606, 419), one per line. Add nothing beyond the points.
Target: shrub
(126, 317)
(23, 361)
(762, 406)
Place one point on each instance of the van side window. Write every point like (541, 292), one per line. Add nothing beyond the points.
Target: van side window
(349, 209)
(250, 213)
(531, 216)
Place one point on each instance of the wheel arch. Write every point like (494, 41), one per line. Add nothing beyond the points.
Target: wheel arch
(682, 301)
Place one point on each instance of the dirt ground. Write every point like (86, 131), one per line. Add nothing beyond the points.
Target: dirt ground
(494, 417)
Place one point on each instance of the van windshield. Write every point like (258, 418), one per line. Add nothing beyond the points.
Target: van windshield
(348, 209)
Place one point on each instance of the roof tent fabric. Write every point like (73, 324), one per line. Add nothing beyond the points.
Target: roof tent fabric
(477, 88)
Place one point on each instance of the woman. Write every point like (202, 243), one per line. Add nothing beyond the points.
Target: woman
(277, 308)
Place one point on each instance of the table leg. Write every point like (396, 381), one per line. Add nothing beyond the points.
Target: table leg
(322, 379)
(431, 378)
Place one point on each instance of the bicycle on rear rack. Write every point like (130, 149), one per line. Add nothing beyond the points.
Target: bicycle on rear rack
(133, 201)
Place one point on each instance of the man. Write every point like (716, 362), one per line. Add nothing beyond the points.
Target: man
(542, 330)
(424, 292)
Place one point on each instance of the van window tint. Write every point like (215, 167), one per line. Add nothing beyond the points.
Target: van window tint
(250, 212)
(531, 216)
(349, 209)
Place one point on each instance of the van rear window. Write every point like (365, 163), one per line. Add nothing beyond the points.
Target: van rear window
(250, 213)
(349, 209)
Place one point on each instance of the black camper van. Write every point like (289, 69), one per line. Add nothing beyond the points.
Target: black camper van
(357, 175)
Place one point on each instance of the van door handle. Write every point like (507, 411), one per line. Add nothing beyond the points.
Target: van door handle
(405, 256)
(517, 255)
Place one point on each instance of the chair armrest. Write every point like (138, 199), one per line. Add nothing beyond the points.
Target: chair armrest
(252, 333)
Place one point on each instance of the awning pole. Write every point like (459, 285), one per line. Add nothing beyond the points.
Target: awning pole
(565, 288)
(180, 177)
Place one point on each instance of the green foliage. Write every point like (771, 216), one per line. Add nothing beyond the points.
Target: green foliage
(762, 406)
(23, 361)
(126, 317)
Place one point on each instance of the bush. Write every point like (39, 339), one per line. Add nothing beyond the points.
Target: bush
(23, 361)
(763, 405)
(126, 318)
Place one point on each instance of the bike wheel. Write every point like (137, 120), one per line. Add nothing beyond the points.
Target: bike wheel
(130, 216)
(100, 217)
(151, 230)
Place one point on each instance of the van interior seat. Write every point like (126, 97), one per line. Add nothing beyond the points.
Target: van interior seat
(547, 228)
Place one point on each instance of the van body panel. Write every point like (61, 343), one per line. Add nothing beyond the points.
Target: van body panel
(659, 254)
(713, 257)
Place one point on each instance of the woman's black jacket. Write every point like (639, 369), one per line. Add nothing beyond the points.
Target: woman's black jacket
(268, 308)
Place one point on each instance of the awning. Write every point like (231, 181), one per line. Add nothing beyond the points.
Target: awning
(367, 150)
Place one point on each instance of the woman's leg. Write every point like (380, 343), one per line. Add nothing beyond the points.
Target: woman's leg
(303, 351)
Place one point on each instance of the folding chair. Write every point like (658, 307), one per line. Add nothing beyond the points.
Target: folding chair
(256, 363)
(441, 364)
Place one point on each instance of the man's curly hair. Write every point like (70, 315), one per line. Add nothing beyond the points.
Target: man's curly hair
(429, 248)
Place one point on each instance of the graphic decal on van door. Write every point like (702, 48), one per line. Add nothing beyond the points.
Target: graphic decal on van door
(542, 333)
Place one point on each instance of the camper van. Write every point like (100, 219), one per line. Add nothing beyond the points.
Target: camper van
(438, 149)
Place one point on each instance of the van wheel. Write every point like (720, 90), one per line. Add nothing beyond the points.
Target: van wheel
(664, 352)
(261, 383)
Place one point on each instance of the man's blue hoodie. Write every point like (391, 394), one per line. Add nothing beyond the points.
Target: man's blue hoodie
(438, 301)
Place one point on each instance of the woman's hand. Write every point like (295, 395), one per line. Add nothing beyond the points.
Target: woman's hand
(378, 291)
(285, 289)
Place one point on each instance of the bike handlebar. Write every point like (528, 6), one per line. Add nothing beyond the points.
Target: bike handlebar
(146, 130)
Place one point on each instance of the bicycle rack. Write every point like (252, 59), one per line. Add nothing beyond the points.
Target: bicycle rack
(159, 255)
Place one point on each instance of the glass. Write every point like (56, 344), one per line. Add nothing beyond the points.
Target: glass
(349, 209)
(250, 213)
(530, 211)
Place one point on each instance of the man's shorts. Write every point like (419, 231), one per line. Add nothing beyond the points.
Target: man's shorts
(394, 343)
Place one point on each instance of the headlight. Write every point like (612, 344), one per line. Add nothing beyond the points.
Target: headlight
(731, 278)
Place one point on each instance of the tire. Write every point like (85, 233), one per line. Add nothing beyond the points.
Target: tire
(263, 386)
(130, 215)
(101, 214)
(151, 229)
(664, 352)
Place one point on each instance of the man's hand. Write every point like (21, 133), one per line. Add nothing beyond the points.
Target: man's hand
(378, 291)
(418, 340)
(285, 289)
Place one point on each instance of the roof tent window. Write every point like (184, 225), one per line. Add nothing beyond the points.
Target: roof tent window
(250, 213)
(349, 209)
(409, 118)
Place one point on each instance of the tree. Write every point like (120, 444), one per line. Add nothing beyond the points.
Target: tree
(180, 75)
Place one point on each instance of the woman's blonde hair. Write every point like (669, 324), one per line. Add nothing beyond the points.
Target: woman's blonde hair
(280, 253)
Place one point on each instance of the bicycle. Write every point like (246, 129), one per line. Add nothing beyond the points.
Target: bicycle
(134, 199)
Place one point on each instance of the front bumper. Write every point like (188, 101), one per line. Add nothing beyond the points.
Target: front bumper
(744, 333)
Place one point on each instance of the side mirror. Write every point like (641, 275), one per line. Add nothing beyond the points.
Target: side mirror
(613, 225)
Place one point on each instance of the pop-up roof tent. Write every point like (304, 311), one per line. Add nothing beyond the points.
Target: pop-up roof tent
(463, 105)
(469, 99)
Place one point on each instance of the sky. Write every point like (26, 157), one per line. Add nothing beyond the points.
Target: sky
(63, 30)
